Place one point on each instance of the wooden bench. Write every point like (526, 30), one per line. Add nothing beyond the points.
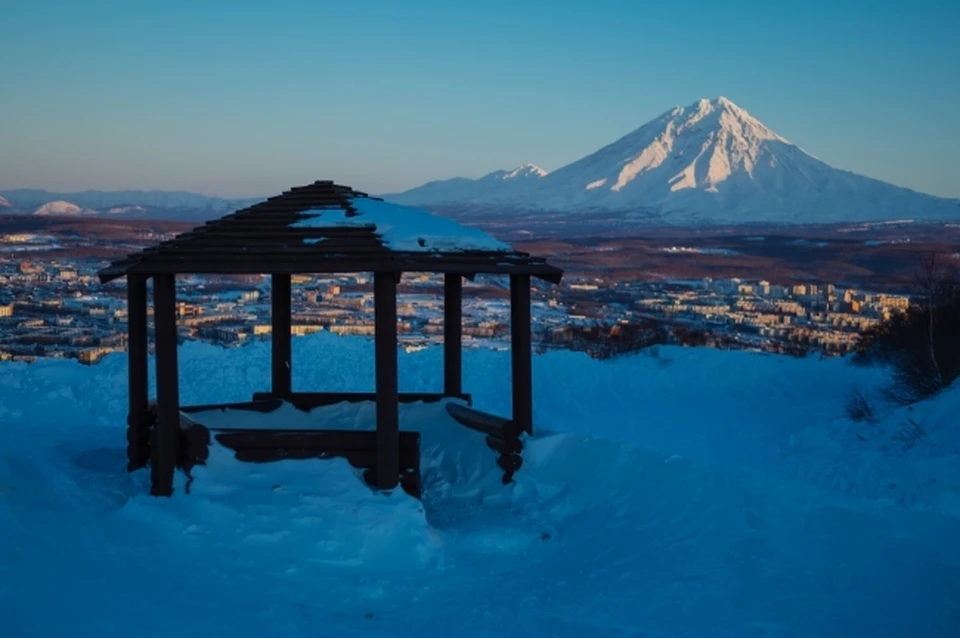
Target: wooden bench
(503, 436)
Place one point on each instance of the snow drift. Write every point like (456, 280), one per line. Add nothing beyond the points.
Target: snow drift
(709, 162)
(679, 492)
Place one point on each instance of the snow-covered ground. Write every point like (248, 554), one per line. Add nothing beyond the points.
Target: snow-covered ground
(679, 492)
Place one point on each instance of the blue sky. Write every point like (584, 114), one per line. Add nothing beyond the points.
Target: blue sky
(245, 99)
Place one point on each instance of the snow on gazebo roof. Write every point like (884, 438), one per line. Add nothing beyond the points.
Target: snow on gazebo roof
(400, 228)
(326, 227)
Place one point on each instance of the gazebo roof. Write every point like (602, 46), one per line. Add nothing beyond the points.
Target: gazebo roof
(326, 228)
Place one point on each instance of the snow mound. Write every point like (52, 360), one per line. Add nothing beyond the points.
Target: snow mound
(60, 207)
(679, 492)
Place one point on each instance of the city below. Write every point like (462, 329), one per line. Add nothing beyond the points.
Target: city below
(58, 308)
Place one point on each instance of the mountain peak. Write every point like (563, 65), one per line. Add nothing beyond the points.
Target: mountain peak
(723, 102)
(525, 170)
(709, 161)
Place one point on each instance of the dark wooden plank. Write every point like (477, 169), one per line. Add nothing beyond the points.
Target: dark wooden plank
(264, 232)
(321, 263)
(521, 352)
(261, 238)
(268, 404)
(509, 462)
(360, 458)
(318, 265)
(484, 422)
(115, 270)
(312, 254)
(452, 334)
(260, 438)
(269, 233)
(504, 446)
(388, 420)
(280, 340)
(310, 400)
(259, 266)
(290, 250)
(194, 433)
(464, 267)
(138, 451)
(167, 429)
(270, 226)
(412, 484)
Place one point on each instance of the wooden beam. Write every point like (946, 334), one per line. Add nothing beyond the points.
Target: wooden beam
(212, 266)
(483, 421)
(309, 400)
(167, 429)
(263, 405)
(520, 352)
(388, 416)
(359, 458)
(452, 335)
(281, 347)
(264, 439)
(138, 416)
(259, 248)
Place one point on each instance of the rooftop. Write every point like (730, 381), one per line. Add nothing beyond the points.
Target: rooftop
(327, 228)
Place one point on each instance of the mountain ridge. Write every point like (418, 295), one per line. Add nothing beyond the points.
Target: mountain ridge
(707, 162)
(123, 204)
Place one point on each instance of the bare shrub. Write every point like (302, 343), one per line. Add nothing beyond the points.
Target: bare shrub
(910, 432)
(858, 408)
(922, 345)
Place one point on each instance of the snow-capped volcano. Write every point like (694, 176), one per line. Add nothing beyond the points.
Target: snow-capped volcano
(710, 161)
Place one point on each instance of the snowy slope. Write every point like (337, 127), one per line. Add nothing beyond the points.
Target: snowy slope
(502, 184)
(707, 162)
(689, 492)
(4, 203)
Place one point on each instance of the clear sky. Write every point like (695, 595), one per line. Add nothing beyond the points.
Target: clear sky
(235, 98)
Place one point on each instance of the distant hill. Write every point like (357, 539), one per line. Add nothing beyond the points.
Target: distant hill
(174, 205)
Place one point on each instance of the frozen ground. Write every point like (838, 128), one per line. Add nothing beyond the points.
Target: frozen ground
(688, 493)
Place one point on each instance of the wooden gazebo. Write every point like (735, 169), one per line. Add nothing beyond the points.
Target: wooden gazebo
(321, 228)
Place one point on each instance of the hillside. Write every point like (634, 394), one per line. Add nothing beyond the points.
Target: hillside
(709, 162)
(679, 492)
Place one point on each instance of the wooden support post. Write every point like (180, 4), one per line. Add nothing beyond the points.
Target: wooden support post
(520, 352)
(167, 429)
(138, 435)
(280, 319)
(452, 335)
(388, 415)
